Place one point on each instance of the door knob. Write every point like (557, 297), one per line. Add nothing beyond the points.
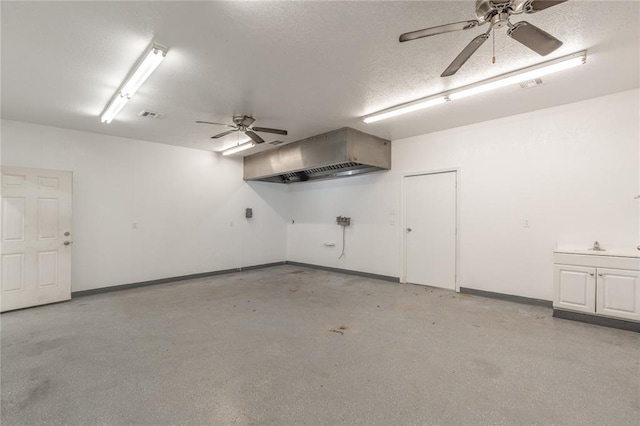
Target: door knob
(408, 229)
(67, 243)
(591, 273)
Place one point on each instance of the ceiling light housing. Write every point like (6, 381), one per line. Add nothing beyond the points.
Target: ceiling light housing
(406, 108)
(147, 63)
(238, 148)
(514, 77)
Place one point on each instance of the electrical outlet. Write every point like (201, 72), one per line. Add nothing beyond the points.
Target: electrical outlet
(526, 223)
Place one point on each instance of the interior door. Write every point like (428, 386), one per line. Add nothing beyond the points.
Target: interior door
(36, 237)
(431, 220)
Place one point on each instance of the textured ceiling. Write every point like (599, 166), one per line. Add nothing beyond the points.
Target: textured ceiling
(308, 67)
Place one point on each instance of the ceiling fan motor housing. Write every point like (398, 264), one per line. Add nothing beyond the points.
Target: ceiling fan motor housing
(500, 20)
(243, 121)
(486, 10)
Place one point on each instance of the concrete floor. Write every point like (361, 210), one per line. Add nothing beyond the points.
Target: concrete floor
(290, 345)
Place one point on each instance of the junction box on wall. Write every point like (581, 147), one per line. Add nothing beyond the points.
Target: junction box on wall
(343, 221)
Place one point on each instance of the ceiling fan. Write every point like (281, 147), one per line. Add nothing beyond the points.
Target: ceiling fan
(497, 14)
(242, 123)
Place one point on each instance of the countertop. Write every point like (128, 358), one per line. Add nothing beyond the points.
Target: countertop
(613, 252)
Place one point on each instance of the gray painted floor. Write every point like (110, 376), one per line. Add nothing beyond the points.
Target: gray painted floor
(266, 347)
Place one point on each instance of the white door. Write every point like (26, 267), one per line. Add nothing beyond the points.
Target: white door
(430, 218)
(36, 237)
(575, 288)
(618, 293)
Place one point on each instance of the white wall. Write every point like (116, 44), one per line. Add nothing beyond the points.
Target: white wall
(571, 170)
(183, 201)
(372, 243)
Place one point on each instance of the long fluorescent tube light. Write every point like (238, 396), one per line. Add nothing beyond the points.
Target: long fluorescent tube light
(238, 148)
(503, 80)
(413, 106)
(114, 107)
(144, 67)
(516, 79)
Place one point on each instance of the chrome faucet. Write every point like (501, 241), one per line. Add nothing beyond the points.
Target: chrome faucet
(596, 246)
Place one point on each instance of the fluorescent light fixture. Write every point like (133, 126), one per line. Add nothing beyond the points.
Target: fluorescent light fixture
(238, 148)
(143, 69)
(405, 108)
(114, 107)
(503, 80)
(517, 79)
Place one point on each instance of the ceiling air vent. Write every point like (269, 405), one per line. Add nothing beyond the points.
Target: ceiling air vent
(150, 114)
(277, 142)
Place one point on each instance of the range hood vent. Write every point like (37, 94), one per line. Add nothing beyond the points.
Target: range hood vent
(340, 153)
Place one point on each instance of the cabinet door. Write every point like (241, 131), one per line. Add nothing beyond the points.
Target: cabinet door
(618, 293)
(575, 288)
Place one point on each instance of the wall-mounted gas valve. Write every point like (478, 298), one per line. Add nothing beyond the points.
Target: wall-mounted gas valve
(343, 221)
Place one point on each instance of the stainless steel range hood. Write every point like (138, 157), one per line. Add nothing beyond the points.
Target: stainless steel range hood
(340, 153)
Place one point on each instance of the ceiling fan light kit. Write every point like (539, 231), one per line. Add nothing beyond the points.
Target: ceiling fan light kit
(514, 77)
(145, 66)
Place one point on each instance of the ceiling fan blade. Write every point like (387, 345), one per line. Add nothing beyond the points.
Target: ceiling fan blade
(212, 122)
(254, 137)
(534, 38)
(538, 5)
(268, 130)
(247, 121)
(219, 135)
(466, 53)
(455, 26)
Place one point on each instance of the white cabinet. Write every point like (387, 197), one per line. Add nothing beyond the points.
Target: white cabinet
(618, 293)
(575, 288)
(597, 284)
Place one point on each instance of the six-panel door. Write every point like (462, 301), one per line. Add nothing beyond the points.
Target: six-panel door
(36, 224)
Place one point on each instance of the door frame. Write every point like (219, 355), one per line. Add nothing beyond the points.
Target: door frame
(403, 221)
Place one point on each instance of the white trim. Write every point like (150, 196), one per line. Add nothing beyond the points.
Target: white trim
(403, 221)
